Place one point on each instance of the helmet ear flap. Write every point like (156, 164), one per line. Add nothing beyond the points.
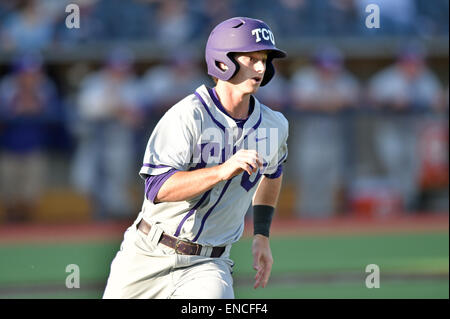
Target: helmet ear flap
(270, 72)
(225, 58)
(231, 63)
(235, 64)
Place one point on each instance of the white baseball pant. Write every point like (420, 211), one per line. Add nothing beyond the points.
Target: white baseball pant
(145, 269)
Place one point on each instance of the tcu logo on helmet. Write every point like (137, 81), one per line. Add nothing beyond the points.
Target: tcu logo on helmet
(265, 34)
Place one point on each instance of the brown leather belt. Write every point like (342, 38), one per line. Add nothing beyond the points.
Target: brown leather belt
(180, 246)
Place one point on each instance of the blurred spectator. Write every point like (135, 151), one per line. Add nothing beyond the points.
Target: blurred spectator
(6, 7)
(123, 20)
(174, 23)
(292, 18)
(409, 151)
(214, 12)
(433, 168)
(433, 17)
(168, 23)
(322, 89)
(165, 84)
(325, 85)
(406, 86)
(30, 28)
(109, 112)
(340, 17)
(28, 104)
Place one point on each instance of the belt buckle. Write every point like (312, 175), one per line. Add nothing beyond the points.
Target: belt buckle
(177, 244)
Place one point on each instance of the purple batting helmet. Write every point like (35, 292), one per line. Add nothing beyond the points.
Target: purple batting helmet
(240, 34)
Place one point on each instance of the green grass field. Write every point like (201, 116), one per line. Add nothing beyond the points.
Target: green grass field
(411, 266)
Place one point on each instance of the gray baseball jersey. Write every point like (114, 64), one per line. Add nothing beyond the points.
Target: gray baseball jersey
(195, 133)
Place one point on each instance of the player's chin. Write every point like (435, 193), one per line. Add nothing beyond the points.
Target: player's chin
(253, 86)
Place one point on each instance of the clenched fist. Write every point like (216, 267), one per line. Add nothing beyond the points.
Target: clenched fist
(243, 160)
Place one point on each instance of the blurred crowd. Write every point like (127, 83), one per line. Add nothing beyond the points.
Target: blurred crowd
(110, 116)
(40, 24)
(386, 136)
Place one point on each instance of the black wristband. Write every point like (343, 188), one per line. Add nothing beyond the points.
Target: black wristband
(262, 218)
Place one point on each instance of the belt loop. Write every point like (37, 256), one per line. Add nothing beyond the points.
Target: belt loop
(137, 221)
(154, 235)
(206, 251)
(227, 250)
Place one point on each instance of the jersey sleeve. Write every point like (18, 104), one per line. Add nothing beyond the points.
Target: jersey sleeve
(153, 184)
(274, 167)
(171, 143)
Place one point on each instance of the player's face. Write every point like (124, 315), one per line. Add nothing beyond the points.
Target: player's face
(252, 66)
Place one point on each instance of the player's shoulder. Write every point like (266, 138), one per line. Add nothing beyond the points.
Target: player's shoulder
(273, 118)
(187, 108)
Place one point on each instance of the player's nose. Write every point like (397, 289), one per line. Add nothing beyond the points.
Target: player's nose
(260, 66)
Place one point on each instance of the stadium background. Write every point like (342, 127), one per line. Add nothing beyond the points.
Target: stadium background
(366, 181)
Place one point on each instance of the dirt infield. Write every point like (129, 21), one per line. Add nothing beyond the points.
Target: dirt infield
(281, 227)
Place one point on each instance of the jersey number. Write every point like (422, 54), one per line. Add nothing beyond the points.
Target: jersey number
(246, 183)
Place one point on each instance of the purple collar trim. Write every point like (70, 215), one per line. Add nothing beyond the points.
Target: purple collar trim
(209, 112)
(239, 122)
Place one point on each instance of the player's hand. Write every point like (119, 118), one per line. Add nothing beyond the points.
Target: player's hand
(262, 260)
(243, 160)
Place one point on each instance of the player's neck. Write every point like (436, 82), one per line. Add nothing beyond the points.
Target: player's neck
(234, 102)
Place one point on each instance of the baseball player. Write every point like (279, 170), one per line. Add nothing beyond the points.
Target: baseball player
(209, 158)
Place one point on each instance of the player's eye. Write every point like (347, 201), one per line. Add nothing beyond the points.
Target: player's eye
(257, 59)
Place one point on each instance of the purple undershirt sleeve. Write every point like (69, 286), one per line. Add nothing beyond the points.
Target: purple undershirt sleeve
(154, 182)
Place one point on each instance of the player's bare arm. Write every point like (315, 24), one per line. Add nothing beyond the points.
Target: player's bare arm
(266, 194)
(179, 186)
(268, 191)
